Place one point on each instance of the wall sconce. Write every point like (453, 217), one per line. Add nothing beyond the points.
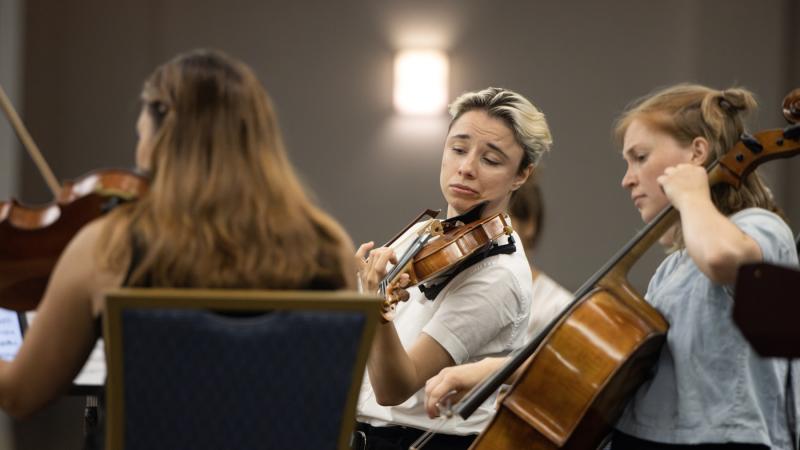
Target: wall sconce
(420, 81)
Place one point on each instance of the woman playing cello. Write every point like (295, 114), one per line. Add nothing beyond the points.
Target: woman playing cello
(710, 386)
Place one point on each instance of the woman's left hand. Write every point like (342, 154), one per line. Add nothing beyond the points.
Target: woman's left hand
(684, 183)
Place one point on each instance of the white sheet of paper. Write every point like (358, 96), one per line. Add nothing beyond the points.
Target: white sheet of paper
(94, 371)
(10, 334)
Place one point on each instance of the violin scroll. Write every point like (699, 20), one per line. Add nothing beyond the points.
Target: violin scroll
(791, 106)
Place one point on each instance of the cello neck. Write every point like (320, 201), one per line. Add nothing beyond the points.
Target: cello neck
(29, 144)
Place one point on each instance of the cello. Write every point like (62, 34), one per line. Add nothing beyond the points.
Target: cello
(33, 237)
(576, 375)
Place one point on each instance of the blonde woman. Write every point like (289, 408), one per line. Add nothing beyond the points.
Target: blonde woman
(495, 139)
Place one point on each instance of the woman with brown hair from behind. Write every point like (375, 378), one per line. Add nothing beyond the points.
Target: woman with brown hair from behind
(224, 210)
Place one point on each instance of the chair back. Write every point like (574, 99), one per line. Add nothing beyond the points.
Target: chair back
(228, 369)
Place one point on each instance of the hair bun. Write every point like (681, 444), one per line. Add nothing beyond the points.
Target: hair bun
(727, 106)
(735, 100)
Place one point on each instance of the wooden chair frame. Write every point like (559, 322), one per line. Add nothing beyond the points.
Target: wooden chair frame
(227, 300)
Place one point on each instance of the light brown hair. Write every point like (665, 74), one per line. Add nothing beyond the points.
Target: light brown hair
(687, 111)
(225, 208)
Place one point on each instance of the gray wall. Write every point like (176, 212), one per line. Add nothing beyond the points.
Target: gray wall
(10, 48)
(10, 73)
(327, 65)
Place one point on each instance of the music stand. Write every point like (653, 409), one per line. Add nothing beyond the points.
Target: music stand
(767, 308)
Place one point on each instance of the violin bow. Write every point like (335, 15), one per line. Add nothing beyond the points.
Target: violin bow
(29, 144)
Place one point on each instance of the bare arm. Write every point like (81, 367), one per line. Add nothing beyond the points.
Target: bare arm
(62, 336)
(396, 374)
(459, 380)
(714, 243)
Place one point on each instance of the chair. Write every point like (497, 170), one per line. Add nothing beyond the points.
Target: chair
(226, 369)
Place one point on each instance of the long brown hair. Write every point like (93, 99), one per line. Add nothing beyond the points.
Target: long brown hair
(225, 208)
(687, 111)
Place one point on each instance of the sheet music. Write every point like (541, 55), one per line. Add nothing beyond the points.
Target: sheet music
(94, 371)
(10, 334)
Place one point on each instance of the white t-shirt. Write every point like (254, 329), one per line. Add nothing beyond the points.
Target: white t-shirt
(548, 299)
(483, 311)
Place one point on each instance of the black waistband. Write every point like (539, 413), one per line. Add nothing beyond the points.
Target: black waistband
(367, 437)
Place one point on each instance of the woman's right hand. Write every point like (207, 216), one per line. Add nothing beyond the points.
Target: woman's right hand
(452, 383)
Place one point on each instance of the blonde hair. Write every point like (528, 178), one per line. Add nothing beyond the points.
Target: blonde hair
(688, 111)
(225, 207)
(522, 117)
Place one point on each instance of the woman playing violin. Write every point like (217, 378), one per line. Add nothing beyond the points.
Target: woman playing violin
(224, 210)
(494, 141)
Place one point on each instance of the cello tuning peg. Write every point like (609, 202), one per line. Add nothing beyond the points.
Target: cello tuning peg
(792, 132)
(751, 143)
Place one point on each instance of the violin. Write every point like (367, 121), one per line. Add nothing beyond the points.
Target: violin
(581, 369)
(33, 237)
(439, 247)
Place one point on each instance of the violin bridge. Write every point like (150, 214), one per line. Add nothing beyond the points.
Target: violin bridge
(433, 227)
(507, 229)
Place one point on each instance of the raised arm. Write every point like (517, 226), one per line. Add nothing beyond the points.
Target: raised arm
(396, 374)
(714, 243)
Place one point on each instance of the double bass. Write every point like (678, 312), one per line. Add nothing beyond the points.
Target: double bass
(576, 375)
(33, 237)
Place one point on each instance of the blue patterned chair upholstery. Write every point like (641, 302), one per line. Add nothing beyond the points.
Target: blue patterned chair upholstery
(204, 369)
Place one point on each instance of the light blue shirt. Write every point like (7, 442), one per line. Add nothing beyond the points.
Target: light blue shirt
(709, 385)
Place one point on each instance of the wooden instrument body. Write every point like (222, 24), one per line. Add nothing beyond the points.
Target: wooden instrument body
(576, 382)
(34, 237)
(450, 249)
